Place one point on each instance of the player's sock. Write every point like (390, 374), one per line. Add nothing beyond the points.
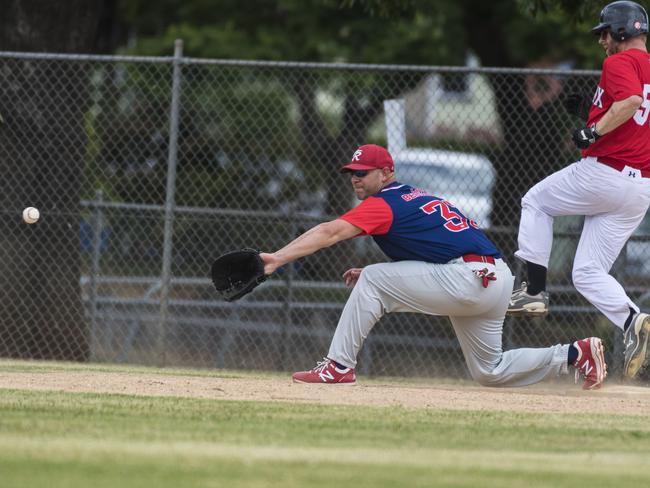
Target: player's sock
(536, 278)
(339, 365)
(629, 319)
(573, 355)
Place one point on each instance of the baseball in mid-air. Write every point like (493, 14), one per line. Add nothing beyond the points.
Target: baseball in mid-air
(31, 215)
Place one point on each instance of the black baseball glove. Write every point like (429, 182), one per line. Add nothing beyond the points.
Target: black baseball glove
(237, 273)
(578, 104)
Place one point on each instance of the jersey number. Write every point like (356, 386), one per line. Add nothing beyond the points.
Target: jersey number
(641, 115)
(455, 222)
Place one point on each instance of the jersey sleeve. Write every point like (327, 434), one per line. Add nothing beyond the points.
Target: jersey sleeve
(622, 80)
(373, 216)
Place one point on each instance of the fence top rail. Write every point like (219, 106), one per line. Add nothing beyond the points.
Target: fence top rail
(291, 64)
(85, 57)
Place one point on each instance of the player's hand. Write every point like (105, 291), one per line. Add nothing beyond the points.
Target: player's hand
(271, 263)
(584, 137)
(351, 276)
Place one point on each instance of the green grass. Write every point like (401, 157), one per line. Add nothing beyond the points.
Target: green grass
(75, 440)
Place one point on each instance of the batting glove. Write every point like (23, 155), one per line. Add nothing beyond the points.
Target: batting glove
(584, 137)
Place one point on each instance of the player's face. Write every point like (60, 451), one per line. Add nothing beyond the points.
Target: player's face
(368, 183)
(609, 44)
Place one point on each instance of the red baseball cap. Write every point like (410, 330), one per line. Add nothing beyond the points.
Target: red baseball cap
(370, 156)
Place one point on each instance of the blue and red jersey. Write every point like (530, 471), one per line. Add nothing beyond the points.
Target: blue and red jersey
(408, 223)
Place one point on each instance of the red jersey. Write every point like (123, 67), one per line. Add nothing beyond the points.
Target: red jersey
(624, 74)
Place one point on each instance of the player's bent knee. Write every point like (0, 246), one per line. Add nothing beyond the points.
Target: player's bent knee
(583, 275)
(486, 378)
(577, 276)
(529, 199)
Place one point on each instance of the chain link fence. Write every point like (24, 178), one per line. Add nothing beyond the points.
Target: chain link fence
(146, 169)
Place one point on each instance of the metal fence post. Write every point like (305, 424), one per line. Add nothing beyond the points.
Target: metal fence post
(169, 202)
(94, 272)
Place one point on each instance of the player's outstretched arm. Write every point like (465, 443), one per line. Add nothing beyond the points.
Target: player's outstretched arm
(316, 238)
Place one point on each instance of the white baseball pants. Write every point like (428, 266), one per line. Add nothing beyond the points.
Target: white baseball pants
(450, 289)
(613, 203)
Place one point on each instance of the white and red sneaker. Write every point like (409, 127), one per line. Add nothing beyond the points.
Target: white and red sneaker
(326, 372)
(590, 362)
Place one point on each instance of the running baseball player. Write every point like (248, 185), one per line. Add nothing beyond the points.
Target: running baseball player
(610, 186)
(441, 264)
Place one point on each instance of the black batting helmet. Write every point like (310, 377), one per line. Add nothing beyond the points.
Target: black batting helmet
(623, 19)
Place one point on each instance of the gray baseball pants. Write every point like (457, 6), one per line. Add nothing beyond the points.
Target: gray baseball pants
(451, 289)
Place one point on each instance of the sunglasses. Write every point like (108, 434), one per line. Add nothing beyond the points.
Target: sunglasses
(360, 173)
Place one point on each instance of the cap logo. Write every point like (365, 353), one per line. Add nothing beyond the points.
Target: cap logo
(357, 155)
(637, 25)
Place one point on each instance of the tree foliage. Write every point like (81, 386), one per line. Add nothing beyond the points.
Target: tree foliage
(507, 33)
(295, 30)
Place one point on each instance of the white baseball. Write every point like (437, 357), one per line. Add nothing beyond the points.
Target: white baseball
(31, 215)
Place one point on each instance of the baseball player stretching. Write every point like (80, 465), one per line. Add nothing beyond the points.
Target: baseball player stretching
(442, 264)
(610, 186)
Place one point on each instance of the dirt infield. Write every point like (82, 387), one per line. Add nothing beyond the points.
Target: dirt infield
(612, 399)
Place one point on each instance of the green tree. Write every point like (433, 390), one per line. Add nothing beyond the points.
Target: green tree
(308, 31)
(507, 33)
(434, 32)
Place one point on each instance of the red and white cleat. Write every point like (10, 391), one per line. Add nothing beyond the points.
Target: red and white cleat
(326, 372)
(590, 363)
